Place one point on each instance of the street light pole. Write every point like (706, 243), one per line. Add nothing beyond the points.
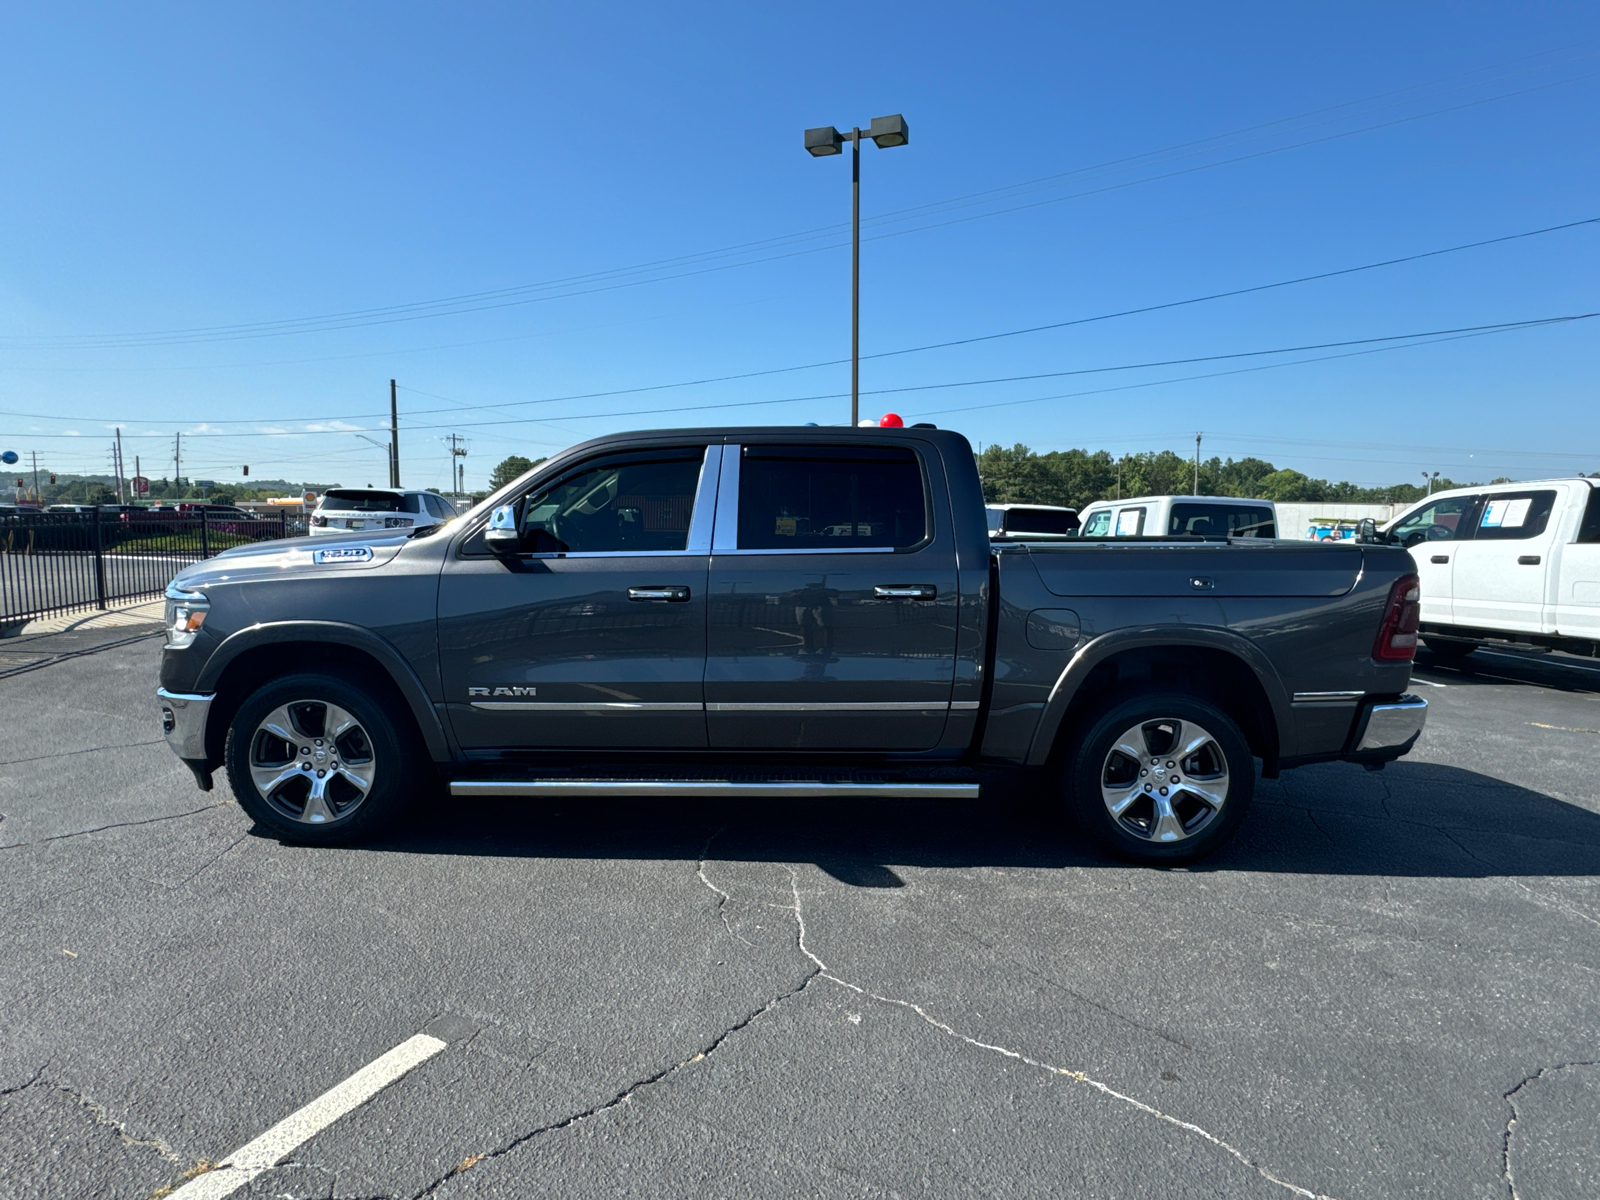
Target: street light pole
(884, 132)
(855, 276)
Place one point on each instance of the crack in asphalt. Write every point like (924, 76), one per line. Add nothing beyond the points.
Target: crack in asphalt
(22, 1087)
(822, 972)
(12, 762)
(213, 861)
(61, 837)
(627, 1093)
(1510, 1099)
(120, 1128)
(1079, 997)
(722, 896)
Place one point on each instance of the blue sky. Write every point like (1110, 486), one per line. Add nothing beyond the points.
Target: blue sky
(222, 168)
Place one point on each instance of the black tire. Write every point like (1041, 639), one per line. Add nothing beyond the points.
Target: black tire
(335, 810)
(1095, 777)
(1448, 651)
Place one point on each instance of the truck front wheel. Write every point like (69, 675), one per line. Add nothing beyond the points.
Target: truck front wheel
(315, 758)
(1161, 778)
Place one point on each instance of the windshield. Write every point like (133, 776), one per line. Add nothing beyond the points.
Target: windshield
(365, 501)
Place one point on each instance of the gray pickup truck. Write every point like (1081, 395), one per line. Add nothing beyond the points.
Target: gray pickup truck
(781, 612)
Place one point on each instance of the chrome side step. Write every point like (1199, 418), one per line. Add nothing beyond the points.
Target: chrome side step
(688, 788)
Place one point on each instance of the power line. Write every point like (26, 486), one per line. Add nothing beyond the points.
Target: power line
(1406, 339)
(479, 302)
(1426, 337)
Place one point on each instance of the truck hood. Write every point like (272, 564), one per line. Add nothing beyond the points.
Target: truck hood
(302, 555)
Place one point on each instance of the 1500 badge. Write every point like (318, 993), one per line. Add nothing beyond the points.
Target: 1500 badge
(342, 554)
(502, 691)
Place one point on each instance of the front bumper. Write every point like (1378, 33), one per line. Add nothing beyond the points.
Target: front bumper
(183, 722)
(1387, 729)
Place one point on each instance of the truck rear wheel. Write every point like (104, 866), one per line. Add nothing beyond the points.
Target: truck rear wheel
(315, 758)
(1161, 778)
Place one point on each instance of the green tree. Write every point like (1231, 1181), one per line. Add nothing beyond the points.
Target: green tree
(509, 469)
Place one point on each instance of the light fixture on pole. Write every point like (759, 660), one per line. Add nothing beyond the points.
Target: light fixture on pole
(885, 132)
(1430, 480)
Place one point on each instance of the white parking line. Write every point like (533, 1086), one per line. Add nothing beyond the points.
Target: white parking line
(299, 1127)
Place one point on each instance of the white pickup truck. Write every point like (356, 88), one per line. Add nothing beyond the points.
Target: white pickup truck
(1516, 562)
(1165, 516)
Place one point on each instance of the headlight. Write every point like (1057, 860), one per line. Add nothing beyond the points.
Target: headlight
(186, 613)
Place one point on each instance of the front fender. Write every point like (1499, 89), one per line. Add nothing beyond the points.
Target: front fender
(342, 634)
(1096, 651)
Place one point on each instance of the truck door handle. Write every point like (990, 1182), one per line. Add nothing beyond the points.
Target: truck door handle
(1440, 558)
(1528, 560)
(905, 591)
(669, 595)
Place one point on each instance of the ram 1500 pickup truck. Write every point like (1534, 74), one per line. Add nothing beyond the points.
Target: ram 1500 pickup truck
(781, 612)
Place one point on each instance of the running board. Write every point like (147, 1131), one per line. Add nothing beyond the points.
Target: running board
(800, 788)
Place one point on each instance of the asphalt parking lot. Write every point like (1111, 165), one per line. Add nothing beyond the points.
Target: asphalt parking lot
(1388, 985)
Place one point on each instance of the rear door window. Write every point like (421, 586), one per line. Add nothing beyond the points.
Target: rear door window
(831, 498)
(1222, 520)
(1515, 515)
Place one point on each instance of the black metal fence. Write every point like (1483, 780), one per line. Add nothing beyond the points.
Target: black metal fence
(67, 562)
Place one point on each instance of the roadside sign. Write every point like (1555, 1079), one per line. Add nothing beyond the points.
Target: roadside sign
(141, 485)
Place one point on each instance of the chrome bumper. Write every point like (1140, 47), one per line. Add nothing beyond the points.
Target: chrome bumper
(183, 721)
(1390, 729)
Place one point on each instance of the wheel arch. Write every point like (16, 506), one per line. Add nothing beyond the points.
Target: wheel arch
(1215, 664)
(251, 657)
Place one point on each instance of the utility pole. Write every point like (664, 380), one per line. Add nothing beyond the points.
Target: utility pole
(394, 437)
(1196, 464)
(36, 495)
(457, 470)
(177, 459)
(120, 500)
(137, 473)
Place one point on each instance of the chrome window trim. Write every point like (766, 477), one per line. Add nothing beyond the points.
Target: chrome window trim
(725, 539)
(700, 518)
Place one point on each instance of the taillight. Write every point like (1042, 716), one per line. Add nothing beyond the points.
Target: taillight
(1397, 636)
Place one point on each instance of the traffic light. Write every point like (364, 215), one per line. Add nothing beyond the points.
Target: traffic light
(247, 469)
(52, 479)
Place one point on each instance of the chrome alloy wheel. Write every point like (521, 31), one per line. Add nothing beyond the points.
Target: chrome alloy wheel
(1165, 780)
(312, 761)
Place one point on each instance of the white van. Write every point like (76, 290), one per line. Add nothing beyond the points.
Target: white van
(1512, 562)
(1163, 516)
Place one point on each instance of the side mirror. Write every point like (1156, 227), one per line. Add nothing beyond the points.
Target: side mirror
(503, 536)
(1366, 530)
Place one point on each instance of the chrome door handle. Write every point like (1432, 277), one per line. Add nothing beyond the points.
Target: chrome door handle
(1440, 558)
(905, 591)
(668, 595)
(1528, 560)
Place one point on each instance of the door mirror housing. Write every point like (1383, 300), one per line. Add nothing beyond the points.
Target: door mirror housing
(502, 536)
(1367, 530)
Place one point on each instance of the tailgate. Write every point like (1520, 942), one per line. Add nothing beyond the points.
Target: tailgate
(1190, 569)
